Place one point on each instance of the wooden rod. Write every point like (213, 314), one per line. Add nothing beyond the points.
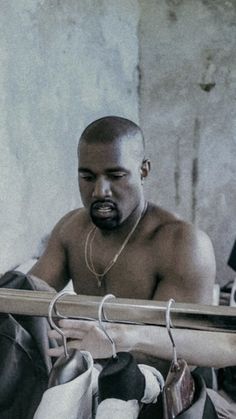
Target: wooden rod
(183, 315)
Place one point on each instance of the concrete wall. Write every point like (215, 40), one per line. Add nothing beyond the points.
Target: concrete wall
(187, 111)
(63, 64)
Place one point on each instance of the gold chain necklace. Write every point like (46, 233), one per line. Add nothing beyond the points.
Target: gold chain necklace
(88, 250)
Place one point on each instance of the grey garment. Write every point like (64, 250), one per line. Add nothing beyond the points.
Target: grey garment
(72, 400)
(224, 408)
(209, 404)
(37, 327)
(202, 407)
(25, 363)
(23, 373)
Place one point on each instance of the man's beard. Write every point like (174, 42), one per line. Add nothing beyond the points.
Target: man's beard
(108, 222)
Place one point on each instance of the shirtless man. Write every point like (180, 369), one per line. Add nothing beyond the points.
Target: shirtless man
(119, 243)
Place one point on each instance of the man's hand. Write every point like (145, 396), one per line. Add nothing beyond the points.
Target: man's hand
(87, 335)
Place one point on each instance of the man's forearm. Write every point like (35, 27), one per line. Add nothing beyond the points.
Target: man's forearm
(201, 348)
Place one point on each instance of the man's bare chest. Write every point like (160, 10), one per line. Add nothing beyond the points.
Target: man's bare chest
(132, 275)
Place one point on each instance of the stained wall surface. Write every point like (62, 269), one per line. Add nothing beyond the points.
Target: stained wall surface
(63, 64)
(169, 64)
(188, 113)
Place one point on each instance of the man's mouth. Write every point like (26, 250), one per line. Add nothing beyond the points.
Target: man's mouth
(103, 208)
(105, 214)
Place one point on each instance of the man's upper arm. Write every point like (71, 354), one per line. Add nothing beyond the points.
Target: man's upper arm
(52, 265)
(188, 268)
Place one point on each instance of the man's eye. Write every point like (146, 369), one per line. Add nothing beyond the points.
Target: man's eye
(88, 178)
(117, 175)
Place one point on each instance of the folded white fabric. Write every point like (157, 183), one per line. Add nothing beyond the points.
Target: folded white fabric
(118, 409)
(154, 383)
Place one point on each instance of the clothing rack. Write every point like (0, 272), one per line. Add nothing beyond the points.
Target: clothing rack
(122, 310)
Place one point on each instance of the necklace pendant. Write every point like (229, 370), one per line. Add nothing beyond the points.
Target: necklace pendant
(99, 281)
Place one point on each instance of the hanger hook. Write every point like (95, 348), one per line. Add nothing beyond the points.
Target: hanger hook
(52, 308)
(168, 326)
(102, 317)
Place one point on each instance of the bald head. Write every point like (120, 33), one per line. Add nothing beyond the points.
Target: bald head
(112, 128)
(112, 168)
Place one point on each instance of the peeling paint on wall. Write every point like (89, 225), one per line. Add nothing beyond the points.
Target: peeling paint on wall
(188, 85)
(177, 173)
(195, 158)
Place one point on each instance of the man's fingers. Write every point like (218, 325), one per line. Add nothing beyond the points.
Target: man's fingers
(85, 335)
(83, 325)
(69, 333)
(56, 352)
(54, 335)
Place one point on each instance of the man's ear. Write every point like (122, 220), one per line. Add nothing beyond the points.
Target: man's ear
(145, 168)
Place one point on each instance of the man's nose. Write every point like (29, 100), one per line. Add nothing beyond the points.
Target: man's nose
(102, 189)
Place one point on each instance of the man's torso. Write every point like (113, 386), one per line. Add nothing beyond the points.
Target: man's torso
(138, 269)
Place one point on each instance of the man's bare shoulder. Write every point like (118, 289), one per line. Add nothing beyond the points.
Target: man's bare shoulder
(159, 219)
(175, 237)
(75, 220)
(185, 257)
(165, 223)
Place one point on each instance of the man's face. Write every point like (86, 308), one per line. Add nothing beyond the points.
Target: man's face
(109, 181)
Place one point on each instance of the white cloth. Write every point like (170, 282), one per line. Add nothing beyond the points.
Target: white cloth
(72, 400)
(118, 409)
(154, 383)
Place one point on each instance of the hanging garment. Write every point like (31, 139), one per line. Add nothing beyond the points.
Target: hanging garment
(202, 407)
(224, 409)
(120, 409)
(67, 367)
(72, 400)
(23, 372)
(77, 399)
(24, 365)
(116, 377)
(179, 389)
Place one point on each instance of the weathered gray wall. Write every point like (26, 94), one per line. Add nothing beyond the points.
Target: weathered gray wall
(63, 64)
(188, 113)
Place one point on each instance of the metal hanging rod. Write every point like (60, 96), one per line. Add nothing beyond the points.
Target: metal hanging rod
(184, 315)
